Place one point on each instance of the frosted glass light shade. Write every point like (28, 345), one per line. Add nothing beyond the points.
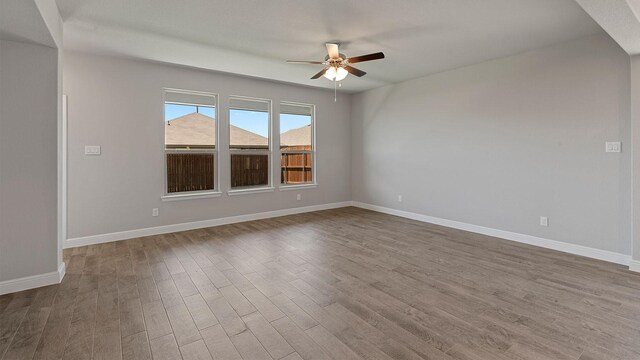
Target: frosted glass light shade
(330, 73)
(341, 73)
(336, 74)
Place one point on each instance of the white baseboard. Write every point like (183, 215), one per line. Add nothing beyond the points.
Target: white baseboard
(604, 255)
(31, 282)
(502, 234)
(165, 229)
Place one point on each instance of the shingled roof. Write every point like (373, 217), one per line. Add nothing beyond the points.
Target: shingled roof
(196, 129)
(297, 137)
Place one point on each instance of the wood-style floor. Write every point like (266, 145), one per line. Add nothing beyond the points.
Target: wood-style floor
(338, 284)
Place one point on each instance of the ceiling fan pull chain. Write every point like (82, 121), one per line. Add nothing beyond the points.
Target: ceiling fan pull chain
(335, 91)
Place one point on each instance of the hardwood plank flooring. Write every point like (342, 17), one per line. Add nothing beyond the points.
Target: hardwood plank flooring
(337, 284)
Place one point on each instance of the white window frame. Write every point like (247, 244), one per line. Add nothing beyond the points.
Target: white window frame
(256, 188)
(185, 195)
(313, 183)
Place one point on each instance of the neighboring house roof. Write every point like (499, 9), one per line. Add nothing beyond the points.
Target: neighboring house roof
(296, 137)
(191, 129)
(242, 137)
(196, 129)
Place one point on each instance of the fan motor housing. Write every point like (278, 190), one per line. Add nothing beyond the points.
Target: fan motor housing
(342, 58)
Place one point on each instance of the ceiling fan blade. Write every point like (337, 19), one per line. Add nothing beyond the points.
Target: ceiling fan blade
(354, 71)
(319, 74)
(304, 62)
(333, 51)
(368, 57)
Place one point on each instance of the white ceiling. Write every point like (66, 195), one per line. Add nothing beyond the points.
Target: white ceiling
(619, 18)
(20, 20)
(255, 37)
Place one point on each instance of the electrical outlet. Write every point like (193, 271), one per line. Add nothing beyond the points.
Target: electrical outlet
(399, 198)
(299, 197)
(613, 147)
(154, 212)
(544, 221)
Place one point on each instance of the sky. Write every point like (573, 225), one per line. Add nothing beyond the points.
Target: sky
(254, 121)
(172, 111)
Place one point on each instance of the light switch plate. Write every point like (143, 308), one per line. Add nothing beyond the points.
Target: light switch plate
(613, 147)
(92, 150)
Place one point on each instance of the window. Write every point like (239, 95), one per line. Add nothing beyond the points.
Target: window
(190, 141)
(249, 142)
(296, 143)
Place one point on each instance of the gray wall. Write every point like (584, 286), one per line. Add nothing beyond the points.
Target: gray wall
(117, 103)
(501, 143)
(635, 133)
(28, 159)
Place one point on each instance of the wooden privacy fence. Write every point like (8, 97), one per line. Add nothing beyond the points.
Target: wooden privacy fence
(190, 172)
(249, 170)
(195, 172)
(296, 168)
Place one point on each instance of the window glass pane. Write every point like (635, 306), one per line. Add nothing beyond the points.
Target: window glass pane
(190, 141)
(296, 127)
(190, 172)
(249, 170)
(248, 129)
(189, 126)
(249, 142)
(296, 143)
(173, 111)
(297, 168)
(295, 132)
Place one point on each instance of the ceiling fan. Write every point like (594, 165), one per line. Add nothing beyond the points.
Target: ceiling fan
(337, 65)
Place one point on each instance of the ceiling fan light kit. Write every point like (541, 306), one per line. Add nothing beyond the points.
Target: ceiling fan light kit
(337, 65)
(336, 73)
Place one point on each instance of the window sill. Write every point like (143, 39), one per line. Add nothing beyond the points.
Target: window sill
(203, 195)
(298, 187)
(250, 191)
